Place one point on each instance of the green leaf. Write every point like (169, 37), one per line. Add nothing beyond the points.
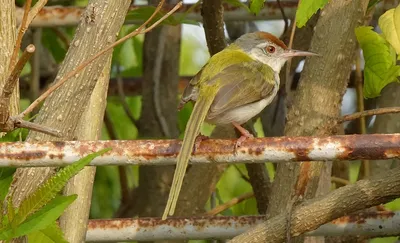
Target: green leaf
(51, 187)
(40, 219)
(51, 234)
(238, 3)
(143, 13)
(256, 6)
(380, 68)
(6, 177)
(389, 23)
(306, 9)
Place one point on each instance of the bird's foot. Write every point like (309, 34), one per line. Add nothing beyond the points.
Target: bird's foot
(198, 141)
(245, 135)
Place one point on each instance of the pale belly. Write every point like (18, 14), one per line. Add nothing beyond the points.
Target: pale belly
(242, 114)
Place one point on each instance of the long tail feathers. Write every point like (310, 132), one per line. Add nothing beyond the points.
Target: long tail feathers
(192, 130)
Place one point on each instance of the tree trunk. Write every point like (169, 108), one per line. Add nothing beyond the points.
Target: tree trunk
(89, 128)
(316, 104)
(63, 109)
(159, 114)
(8, 36)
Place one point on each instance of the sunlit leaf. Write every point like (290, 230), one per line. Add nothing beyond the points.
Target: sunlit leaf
(256, 6)
(40, 219)
(389, 23)
(51, 187)
(380, 68)
(306, 9)
(51, 234)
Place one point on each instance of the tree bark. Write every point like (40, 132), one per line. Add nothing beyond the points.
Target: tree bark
(389, 123)
(317, 101)
(63, 109)
(89, 128)
(159, 114)
(8, 36)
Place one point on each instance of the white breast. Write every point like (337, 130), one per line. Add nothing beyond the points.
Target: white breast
(244, 113)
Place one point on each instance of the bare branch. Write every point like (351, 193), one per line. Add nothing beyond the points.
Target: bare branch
(99, 54)
(230, 203)
(373, 112)
(23, 27)
(13, 78)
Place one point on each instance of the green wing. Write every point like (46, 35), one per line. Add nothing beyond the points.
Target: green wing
(241, 84)
(228, 57)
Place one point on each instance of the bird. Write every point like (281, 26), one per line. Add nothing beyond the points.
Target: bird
(235, 85)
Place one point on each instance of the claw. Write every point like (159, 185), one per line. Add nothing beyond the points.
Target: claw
(198, 141)
(245, 135)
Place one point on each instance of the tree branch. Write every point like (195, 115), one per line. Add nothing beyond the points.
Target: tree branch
(313, 213)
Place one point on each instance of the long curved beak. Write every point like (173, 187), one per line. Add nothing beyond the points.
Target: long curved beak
(295, 53)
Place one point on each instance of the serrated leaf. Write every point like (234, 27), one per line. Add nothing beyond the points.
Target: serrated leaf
(51, 187)
(389, 23)
(256, 6)
(40, 219)
(306, 9)
(51, 234)
(380, 68)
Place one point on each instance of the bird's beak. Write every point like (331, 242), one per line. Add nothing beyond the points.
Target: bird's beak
(295, 53)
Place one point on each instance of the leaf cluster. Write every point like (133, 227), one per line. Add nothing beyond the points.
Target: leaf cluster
(37, 214)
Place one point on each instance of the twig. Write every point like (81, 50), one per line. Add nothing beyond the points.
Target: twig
(19, 123)
(63, 37)
(21, 32)
(288, 83)
(156, 76)
(285, 18)
(13, 78)
(106, 49)
(123, 180)
(360, 105)
(35, 10)
(242, 175)
(373, 112)
(230, 203)
(340, 180)
(121, 94)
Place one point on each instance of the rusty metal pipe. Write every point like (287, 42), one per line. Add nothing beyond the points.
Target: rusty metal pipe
(150, 229)
(163, 152)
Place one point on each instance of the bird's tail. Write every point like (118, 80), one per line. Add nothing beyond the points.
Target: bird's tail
(193, 127)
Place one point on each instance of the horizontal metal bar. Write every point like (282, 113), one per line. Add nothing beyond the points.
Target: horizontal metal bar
(163, 152)
(150, 229)
(67, 16)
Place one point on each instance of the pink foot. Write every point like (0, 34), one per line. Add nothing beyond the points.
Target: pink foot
(198, 141)
(245, 135)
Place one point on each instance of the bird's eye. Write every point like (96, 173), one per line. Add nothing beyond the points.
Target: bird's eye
(270, 49)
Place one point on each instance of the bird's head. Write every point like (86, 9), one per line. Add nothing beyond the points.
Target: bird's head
(268, 49)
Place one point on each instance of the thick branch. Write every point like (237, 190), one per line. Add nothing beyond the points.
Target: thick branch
(312, 214)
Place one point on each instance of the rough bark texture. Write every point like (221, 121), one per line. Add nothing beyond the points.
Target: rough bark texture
(159, 114)
(63, 109)
(8, 35)
(315, 212)
(389, 123)
(89, 128)
(317, 101)
(213, 23)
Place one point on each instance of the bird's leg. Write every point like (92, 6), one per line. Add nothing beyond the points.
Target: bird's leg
(198, 141)
(245, 135)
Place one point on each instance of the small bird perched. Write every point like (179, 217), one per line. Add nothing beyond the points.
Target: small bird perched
(234, 86)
